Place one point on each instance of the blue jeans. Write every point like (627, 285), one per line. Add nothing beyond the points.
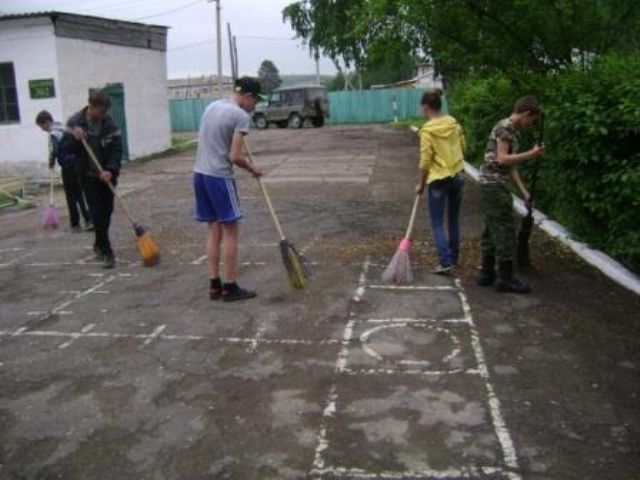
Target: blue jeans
(446, 194)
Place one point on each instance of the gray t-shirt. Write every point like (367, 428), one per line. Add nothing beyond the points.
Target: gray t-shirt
(219, 122)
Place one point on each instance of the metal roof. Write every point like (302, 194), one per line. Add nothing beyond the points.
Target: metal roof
(101, 29)
(53, 14)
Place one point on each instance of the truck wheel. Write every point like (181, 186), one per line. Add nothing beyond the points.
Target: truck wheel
(261, 122)
(295, 121)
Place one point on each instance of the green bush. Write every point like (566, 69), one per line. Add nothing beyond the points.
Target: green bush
(590, 176)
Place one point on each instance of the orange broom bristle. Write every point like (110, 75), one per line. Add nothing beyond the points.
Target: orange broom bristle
(148, 249)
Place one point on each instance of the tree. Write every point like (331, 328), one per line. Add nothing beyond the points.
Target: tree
(467, 36)
(269, 76)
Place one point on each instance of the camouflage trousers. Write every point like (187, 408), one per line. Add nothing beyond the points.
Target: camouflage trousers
(498, 232)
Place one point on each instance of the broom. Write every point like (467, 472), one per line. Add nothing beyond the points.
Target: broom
(294, 263)
(50, 220)
(147, 247)
(20, 202)
(399, 269)
(523, 256)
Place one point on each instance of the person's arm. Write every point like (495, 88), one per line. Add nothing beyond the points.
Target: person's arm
(426, 157)
(510, 159)
(53, 151)
(238, 158)
(515, 177)
(111, 166)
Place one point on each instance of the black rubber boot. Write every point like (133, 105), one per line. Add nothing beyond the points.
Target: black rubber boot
(487, 272)
(507, 282)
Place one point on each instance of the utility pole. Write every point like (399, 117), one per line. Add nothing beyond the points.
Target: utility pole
(317, 55)
(219, 41)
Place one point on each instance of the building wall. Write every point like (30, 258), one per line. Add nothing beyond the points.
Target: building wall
(85, 64)
(30, 45)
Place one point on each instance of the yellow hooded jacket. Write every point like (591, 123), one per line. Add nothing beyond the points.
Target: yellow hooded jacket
(442, 146)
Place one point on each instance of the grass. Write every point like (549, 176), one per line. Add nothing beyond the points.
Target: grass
(4, 200)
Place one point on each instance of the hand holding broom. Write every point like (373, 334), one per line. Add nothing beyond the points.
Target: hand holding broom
(147, 247)
(294, 262)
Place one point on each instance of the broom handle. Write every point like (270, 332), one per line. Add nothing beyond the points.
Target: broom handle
(267, 199)
(412, 219)
(96, 164)
(51, 188)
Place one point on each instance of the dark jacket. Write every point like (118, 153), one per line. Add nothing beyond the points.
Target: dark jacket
(106, 144)
(56, 148)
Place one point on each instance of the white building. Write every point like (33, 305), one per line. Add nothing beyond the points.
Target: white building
(199, 87)
(50, 60)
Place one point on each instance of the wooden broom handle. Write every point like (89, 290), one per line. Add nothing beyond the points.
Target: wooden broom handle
(263, 189)
(96, 164)
(412, 219)
(51, 187)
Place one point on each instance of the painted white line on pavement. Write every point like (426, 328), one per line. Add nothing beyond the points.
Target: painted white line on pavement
(340, 367)
(74, 337)
(18, 259)
(157, 331)
(254, 344)
(400, 371)
(199, 260)
(449, 474)
(499, 424)
(186, 337)
(364, 339)
(418, 320)
(412, 287)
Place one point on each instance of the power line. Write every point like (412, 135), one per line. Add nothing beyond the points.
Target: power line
(248, 37)
(169, 11)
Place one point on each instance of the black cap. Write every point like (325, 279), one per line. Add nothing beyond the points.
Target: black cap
(248, 85)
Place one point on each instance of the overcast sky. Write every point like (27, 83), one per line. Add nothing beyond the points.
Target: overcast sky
(257, 24)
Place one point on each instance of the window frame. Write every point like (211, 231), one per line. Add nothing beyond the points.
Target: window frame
(6, 116)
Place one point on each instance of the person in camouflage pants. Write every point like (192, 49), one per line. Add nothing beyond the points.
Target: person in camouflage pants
(499, 167)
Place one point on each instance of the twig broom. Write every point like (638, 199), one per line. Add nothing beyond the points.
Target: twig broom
(50, 219)
(399, 269)
(294, 263)
(147, 247)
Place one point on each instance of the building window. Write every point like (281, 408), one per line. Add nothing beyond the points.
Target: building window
(9, 111)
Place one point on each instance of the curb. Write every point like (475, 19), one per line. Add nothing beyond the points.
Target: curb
(607, 265)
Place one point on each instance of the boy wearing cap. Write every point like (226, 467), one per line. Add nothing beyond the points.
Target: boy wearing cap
(222, 127)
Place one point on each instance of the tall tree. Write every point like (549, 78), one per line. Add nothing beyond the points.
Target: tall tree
(464, 36)
(269, 76)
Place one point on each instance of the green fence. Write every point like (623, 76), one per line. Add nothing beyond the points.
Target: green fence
(363, 106)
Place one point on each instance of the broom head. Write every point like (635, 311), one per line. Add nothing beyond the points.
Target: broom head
(50, 219)
(295, 264)
(147, 247)
(399, 269)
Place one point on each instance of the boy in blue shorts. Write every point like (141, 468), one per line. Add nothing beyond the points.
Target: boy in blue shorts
(222, 127)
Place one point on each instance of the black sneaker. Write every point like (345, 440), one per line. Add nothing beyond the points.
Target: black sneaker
(232, 293)
(76, 229)
(109, 261)
(215, 288)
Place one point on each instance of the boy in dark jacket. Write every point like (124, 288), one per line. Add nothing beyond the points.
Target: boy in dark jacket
(93, 124)
(66, 160)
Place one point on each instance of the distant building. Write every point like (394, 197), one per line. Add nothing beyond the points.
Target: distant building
(199, 87)
(425, 78)
(50, 61)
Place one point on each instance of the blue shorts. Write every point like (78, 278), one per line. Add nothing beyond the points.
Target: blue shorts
(216, 199)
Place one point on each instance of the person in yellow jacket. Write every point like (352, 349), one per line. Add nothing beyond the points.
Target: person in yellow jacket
(442, 147)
